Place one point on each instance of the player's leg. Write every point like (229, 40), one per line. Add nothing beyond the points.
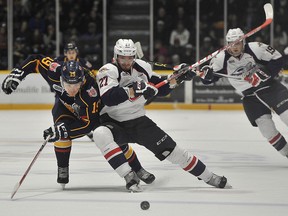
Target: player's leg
(164, 147)
(104, 140)
(260, 116)
(62, 151)
(273, 136)
(277, 97)
(135, 164)
(62, 148)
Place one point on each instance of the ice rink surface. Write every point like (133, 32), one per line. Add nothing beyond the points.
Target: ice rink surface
(224, 140)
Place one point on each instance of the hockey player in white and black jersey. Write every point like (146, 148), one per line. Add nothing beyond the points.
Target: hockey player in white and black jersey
(125, 86)
(253, 68)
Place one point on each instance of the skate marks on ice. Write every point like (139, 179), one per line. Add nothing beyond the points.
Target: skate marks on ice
(223, 140)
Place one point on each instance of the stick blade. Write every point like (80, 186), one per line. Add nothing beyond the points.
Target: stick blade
(16, 187)
(268, 11)
(139, 50)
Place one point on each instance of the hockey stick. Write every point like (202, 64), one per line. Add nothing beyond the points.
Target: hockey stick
(269, 18)
(140, 55)
(18, 184)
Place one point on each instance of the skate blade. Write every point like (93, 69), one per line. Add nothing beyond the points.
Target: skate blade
(135, 188)
(62, 186)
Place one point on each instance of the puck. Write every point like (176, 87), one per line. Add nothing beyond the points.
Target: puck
(145, 205)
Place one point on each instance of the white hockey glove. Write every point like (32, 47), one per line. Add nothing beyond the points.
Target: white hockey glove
(206, 73)
(145, 89)
(256, 78)
(11, 82)
(58, 132)
(186, 73)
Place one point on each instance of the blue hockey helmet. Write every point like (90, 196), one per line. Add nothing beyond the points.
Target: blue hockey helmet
(70, 46)
(72, 72)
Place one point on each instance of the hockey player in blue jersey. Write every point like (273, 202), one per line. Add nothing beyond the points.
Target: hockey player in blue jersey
(69, 107)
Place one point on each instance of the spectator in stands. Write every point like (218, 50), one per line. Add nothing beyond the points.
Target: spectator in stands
(175, 59)
(161, 32)
(189, 54)
(281, 38)
(37, 22)
(163, 16)
(20, 50)
(161, 53)
(3, 39)
(206, 47)
(3, 46)
(175, 48)
(181, 16)
(181, 34)
(49, 39)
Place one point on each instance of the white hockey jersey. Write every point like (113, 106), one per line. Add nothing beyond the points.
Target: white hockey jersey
(120, 106)
(255, 53)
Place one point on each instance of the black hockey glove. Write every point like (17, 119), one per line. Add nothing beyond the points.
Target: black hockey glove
(11, 82)
(145, 89)
(206, 73)
(186, 73)
(58, 132)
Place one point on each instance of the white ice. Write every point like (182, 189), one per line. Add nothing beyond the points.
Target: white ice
(224, 140)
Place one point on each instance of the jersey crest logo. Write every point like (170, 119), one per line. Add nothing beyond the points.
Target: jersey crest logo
(92, 92)
(53, 66)
(245, 70)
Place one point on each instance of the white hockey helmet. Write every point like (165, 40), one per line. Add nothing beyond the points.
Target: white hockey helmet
(234, 34)
(124, 47)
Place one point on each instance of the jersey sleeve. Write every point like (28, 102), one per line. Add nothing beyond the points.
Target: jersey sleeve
(265, 55)
(34, 64)
(108, 82)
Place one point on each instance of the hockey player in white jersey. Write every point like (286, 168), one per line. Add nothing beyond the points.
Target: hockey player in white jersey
(125, 86)
(253, 67)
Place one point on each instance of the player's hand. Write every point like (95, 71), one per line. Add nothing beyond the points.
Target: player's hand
(206, 73)
(145, 89)
(256, 78)
(11, 82)
(57, 132)
(186, 73)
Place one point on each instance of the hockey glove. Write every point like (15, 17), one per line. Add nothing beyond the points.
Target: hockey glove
(145, 89)
(206, 73)
(58, 132)
(186, 73)
(256, 78)
(12, 81)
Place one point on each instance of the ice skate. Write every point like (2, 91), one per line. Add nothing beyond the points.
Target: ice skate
(145, 176)
(132, 182)
(63, 176)
(219, 182)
